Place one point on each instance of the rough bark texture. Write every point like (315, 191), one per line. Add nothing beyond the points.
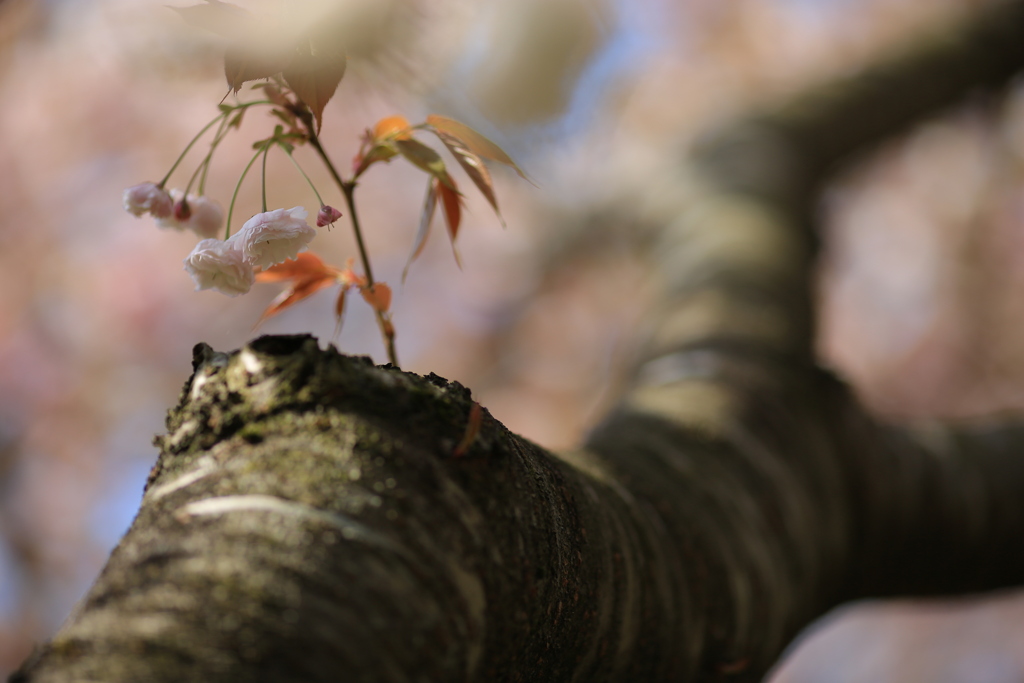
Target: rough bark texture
(308, 519)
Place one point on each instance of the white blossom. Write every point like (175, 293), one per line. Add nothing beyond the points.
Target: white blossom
(274, 236)
(148, 198)
(203, 215)
(220, 265)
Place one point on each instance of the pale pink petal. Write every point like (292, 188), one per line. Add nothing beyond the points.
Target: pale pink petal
(219, 265)
(147, 198)
(203, 216)
(274, 236)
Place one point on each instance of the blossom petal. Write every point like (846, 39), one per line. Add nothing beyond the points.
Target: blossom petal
(205, 217)
(147, 198)
(274, 236)
(221, 266)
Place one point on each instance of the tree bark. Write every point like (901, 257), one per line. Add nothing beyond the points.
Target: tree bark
(315, 518)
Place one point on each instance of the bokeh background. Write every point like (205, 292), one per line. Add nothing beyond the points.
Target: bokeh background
(921, 284)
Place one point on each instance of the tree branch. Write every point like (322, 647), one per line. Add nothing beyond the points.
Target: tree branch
(307, 519)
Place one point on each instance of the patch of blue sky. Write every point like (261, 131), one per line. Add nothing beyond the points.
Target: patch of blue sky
(128, 461)
(11, 584)
(114, 511)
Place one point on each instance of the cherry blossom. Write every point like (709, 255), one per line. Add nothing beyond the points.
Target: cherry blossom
(197, 213)
(148, 198)
(274, 236)
(220, 265)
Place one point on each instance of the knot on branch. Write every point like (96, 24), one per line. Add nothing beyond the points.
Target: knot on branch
(279, 378)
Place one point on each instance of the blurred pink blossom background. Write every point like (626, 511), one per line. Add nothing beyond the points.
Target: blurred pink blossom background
(921, 282)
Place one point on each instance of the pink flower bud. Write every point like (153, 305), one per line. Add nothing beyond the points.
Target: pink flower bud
(205, 217)
(147, 198)
(182, 211)
(327, 216)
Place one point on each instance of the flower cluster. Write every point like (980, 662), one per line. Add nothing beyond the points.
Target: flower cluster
(226, 266)
(174, 210)
(264, 240)
(200, 214)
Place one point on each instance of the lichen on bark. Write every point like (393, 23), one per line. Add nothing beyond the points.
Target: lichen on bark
(307, 514)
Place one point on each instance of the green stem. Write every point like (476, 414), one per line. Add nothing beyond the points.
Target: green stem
(234, 196)
(348, 189)
(263, 177)
(195, 174)
(218, 136)
(188, 147)
(299, 168)
(223, 115)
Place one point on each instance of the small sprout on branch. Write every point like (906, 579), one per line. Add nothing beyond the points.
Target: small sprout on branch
(308, 274)
(301, 69)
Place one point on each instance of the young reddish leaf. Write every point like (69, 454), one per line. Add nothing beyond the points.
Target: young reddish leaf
(451, 201)
(349, 277)
(305, 265)
(315, 72)
(378, 296)
(473, 423)
(473, 140)
(378, 144)
(425, 158)
(364, 159)
(339, 310)
(391, 126)
(423, 231)
(296, 292)
(274, 94)
(474, 167)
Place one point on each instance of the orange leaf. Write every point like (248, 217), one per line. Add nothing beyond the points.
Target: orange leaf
(474, 167)
(305, 265)
(473, 141)
(365, 159)
(295, 293)
(349, 277)
(378, 296)
(423, 231)
(425, 158)
(339, 310)
(391, 126)
(315, 72)
(451, 200)
(473, 423)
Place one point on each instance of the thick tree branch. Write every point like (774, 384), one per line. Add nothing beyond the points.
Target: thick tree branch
(308, 521)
